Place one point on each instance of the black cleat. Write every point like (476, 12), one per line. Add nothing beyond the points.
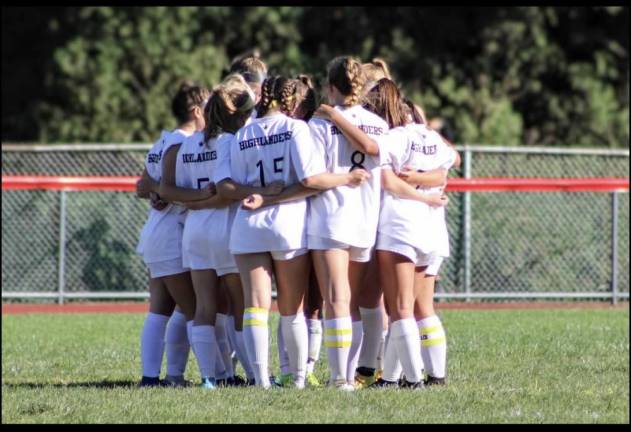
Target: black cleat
(381, 383)
(431, 381)
(150, 382)
(413, 385)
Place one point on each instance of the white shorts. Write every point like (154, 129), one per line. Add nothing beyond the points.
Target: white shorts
(420, 259)
(166, 268)
(288, 254)
(356, 254)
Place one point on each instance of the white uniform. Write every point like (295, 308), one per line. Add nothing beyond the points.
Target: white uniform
(206, 231)
(412, 228)
(345, 217)
(160, 241)
(268, 149)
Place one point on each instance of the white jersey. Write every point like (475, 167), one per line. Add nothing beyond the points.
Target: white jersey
(206, 231)
(268, 149)
(408, 221)
(345, 214)
(161, 236)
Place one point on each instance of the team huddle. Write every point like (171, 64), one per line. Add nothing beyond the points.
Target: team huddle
(340, 205)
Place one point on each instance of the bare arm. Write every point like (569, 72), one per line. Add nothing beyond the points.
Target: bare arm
(355, 136)
(308, 187)
(401, 189)
(215, 201)
(145, 185)
(435, 177)
(168, 190)
(236, 191)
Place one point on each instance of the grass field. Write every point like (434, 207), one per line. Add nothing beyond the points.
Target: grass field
(504, 366)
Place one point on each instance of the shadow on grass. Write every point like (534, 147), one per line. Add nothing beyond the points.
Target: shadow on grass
(88, 384)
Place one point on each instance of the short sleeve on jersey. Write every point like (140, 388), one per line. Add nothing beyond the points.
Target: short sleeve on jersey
(446, 156)
(318, 130)
(174, 138)
(308, 158)
(393, 148)
(222, 170)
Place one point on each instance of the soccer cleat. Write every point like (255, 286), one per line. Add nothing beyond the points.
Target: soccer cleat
(312, 380)
(342, 385)
(176, 381)
(150, 382)
(208, 383)
(382, 383)
(431, 381)
(239, 381)
(363, 381)
(412, 386)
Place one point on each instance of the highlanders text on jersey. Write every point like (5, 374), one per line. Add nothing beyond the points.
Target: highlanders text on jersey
(413, 222)
(268, 149)
(346, 214)
(206, 231)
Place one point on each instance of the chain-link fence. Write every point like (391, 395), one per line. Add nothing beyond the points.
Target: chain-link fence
(503, 244)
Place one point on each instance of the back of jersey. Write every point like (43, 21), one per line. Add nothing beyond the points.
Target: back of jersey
(346, 214)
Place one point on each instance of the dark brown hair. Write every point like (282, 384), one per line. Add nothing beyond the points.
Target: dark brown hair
(346, 74)
(229, 106)
(188, 97)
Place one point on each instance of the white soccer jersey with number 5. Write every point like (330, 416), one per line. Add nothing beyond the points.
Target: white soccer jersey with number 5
(268, 149)
(413, 222)
(206, 231)
(348, 215)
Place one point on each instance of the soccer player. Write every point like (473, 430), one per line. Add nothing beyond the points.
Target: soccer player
(160, 246)
(271, 240)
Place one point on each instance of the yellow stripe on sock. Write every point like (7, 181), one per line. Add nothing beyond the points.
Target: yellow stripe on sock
(254, 323)
(432, 342)
(256, 310)
(338, 332)
(432, 329)
(337, 344)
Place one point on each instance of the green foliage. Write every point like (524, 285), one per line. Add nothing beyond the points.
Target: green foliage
(512, 76)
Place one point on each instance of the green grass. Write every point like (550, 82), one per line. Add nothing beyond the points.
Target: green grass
(517, 366)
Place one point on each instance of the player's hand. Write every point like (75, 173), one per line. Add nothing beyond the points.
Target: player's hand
(274, 188)
(357, 177)
(157, 202)
(210, 190)
(437, 200)
(252, 202)
(406, 174)
(324, 112)
(143, 187)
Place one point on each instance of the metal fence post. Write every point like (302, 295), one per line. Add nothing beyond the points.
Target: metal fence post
(466, 231)
(614, 247)
(62, 245)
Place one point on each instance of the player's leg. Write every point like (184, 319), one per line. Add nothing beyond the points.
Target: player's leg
(224, 367)
(370, 307)
(314, 305)
(205, 285)
(292, 280)
(433, 339)
(332, 272)
(256, 276)
(177, 347)
(161, 306)
(356, 272)
(235, 291)
(398, 279)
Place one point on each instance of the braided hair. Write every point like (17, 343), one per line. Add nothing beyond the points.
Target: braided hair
(346, 74)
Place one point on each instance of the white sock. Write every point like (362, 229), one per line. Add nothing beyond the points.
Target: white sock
(283, 358)
(381, 357)
(177, 344)
(222, 343)
(338, 335)
(256, 336)
(404, 335)
(232, 341)
(152, 344)
(314, 327)
(220, 368)
(372, 325)
(294, 329)
(205, 349)
(189, 332)
(242, 353)
(392, 365)
(433, 346)
(353, 354)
